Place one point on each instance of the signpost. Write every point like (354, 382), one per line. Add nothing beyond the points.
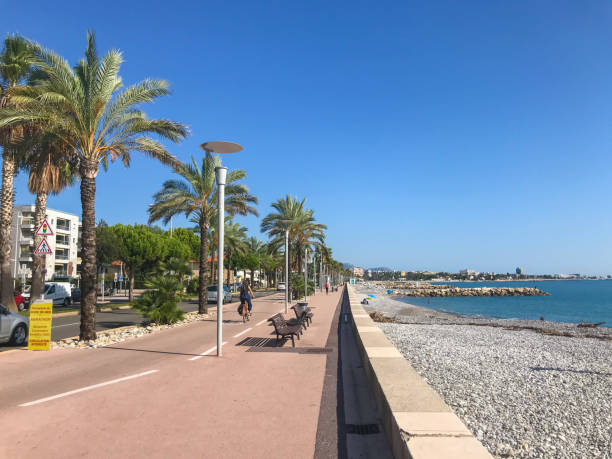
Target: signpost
(41, 313)
(43, 248)
(44, 229)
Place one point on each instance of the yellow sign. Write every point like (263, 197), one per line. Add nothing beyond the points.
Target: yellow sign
(40, 326)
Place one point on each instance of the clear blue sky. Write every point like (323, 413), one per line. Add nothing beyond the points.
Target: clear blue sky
(427, 135)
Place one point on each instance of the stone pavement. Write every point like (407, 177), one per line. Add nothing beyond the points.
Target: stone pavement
(158, 396)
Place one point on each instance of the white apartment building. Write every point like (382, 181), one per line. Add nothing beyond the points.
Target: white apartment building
(64, 243)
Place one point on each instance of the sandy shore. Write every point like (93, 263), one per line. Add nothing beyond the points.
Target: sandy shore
(522, 390)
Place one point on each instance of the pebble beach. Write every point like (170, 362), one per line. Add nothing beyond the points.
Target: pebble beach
(524, 388)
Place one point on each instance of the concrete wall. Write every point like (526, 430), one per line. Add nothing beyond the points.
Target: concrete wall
(417, 422)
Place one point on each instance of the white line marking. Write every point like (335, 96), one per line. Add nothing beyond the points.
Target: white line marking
(261, 322)
(242, 332)
(82, 389)
(66, 325)
(212, 349)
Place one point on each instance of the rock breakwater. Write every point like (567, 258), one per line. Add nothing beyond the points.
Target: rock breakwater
(449, 290)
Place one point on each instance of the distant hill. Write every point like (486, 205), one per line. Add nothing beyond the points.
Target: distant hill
(348, 266)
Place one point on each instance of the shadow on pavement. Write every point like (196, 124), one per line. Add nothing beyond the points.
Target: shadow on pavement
(146, 350)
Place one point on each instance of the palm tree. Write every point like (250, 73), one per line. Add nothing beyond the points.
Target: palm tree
(254, 247)
(15, 65)
(50, 173)
(196, 197)
(99, 122)
(235, 242)
(304, 232)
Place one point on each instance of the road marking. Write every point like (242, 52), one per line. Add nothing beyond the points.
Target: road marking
(212, 349)
(83, 389)
(242, 332)
(261, 322)
(66, 325)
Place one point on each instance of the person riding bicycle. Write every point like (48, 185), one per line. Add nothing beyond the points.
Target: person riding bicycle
(245, 297)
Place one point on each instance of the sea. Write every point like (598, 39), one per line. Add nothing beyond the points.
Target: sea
(571, 301)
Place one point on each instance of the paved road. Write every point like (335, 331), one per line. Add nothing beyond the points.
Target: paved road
(65, 327)
(165, 395)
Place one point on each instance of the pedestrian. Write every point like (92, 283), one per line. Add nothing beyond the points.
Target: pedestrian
(245, 297)
(327, 288)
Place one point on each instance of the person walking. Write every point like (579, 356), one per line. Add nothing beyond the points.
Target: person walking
(327, 288)
(245, 298)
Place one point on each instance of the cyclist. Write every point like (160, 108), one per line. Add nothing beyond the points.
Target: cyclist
(245, 297)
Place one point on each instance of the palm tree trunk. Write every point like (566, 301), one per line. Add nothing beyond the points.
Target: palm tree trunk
(132, 282)
(6, 213)
(202, 299)
(299, 259)
(229, 261)
(89, 171)
(39, 261)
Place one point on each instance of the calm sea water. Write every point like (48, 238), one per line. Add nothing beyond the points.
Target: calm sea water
(569, 301)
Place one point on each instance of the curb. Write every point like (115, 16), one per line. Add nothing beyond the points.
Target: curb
(417, 422)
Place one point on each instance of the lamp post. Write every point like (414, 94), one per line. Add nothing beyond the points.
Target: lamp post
(220, 175)
(287, 270)
(305, 275)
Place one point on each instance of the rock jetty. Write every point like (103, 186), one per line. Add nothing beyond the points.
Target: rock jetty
(424, 289)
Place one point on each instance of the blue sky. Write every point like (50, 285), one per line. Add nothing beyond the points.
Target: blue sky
(434, 135)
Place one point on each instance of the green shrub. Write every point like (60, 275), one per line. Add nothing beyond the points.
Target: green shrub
(297, 286)
(193, 286)
(160, 302)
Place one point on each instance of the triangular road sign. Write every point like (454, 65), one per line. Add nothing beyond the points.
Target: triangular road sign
(44, 229)
(43, 248)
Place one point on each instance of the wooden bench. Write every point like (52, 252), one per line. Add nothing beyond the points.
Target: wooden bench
(302, 314)
(283, 329)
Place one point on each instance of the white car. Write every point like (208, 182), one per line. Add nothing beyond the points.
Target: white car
(212, 294)
(13, 327)
(281, 286)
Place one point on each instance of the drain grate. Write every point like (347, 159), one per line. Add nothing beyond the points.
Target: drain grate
(362, 429)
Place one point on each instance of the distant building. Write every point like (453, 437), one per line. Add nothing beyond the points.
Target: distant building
(519, 271)
(358, 271)
(467, 273)
(64, 243)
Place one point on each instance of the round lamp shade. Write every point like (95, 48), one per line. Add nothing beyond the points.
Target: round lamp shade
(218, 146)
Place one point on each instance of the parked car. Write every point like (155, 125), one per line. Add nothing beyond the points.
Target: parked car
(75, 293)
(20, 301)
(58, 293)
(13, 327)
(280, 286)
(212, 294)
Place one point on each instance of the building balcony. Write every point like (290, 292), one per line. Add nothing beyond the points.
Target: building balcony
(61, 257)
(62, 228)
(26, 258)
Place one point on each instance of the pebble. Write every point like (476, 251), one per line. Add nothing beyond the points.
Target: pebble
(522, 394)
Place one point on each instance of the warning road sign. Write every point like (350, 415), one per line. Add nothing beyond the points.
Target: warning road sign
(44, 229)
(43, 248)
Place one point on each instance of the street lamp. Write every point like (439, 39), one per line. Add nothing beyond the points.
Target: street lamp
(220, 175)
(305, 274)
(287, 270)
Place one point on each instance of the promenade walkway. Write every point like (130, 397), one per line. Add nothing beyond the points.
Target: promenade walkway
(168, 395)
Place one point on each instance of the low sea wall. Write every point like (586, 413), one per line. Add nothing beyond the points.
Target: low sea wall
(417, 422)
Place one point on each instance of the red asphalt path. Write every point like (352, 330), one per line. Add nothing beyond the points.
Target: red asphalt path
(244, 404)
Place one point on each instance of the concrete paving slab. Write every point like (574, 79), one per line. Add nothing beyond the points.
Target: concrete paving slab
(426, 423)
